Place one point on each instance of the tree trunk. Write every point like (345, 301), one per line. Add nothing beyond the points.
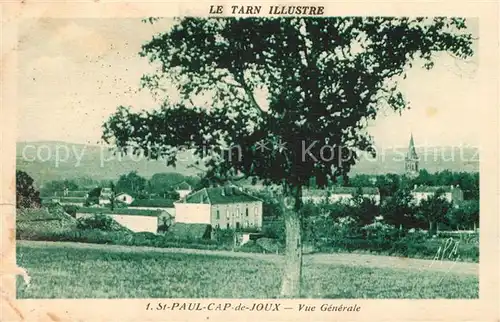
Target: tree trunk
(290, 287)
(431, 228)
(292, 271)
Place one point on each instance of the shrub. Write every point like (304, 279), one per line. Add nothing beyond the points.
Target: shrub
(380, 231)
(71, 210)
(99, 222)
(345, 227)
(250, 247)
(274, 229)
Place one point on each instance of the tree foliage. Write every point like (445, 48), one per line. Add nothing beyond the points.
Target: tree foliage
(400, 209)
(433, 209)
(324, 78)
(465, 215)
(131, 183)
(27, 196)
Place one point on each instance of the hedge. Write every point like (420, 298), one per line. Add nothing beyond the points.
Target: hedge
(406, 247)
(118, 238)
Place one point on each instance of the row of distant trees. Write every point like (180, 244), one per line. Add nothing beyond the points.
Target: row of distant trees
(389, 184)
(399, 210)
(160, 184)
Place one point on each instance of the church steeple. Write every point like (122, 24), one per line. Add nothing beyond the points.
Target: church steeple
(411, 160)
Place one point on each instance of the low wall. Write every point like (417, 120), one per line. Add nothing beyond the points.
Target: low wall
(133, 222)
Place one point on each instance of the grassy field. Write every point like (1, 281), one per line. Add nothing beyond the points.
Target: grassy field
(66, 272)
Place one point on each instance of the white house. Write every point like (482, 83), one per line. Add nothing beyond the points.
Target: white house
(220, 207)
(339, 194)
(183, 189)
(125, 198)
(104, 198)
(451, 193)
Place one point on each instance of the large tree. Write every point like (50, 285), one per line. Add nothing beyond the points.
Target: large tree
(131, 183)
(433, 210)
(288, 99)
(27, 196)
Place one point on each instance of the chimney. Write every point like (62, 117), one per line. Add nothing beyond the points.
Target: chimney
(223, 191)
(414, 187)
(452, 187)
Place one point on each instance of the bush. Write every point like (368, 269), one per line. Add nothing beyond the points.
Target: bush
(71, 210)
(274, 229)
(99, 222)
(250, 247)
(379, 231)
(127, 238)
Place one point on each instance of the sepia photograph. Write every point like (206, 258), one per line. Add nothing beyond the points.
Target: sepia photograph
(253, 157)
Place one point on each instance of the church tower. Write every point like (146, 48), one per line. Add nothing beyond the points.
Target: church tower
(411, 160)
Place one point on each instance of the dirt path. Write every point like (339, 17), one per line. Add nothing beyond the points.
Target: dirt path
(309, 259)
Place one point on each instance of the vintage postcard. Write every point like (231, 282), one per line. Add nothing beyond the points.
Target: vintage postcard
(266, 160)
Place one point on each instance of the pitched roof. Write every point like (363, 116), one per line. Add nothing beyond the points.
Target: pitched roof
(123, 193)
(219, 195)
(160, 203)
(433, 189)
(120, 211)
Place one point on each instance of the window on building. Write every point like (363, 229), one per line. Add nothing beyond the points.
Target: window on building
(218, 214)
(227, 225)
(237, 212)
(227, 214)
(246, 212)
(256, 211)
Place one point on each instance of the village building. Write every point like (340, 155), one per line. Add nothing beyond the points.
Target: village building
(452, 194)
(339, 194)
(183, 189)
(220, 207)
(124, 198)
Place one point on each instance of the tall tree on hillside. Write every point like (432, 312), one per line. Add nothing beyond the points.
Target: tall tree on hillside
(131, 183)
(27, 196)
(323, 79)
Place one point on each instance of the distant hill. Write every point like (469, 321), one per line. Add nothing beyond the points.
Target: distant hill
(97, 162)
(40, 160)
(432, 159)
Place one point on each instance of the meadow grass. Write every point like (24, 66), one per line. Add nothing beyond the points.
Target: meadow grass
(66, 272)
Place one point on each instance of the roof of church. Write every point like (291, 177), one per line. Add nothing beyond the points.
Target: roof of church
(412, 153)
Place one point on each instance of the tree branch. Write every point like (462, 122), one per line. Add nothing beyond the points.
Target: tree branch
(241, 79)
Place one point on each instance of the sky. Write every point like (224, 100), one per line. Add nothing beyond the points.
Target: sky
(74, 73)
